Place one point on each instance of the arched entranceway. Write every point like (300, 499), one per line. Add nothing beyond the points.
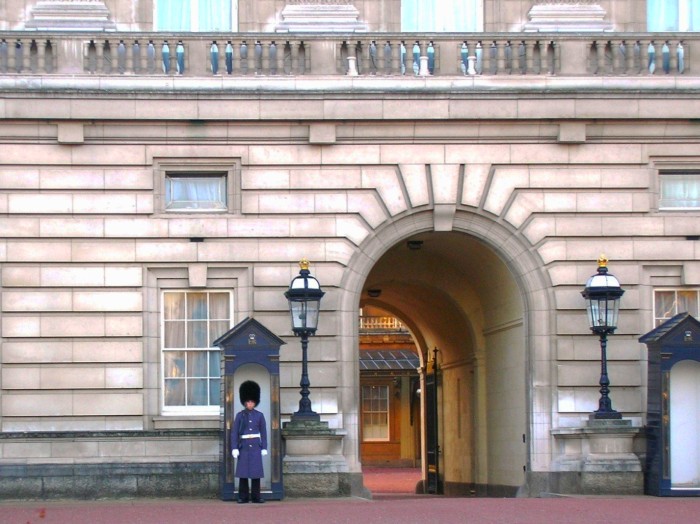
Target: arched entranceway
(464, 293)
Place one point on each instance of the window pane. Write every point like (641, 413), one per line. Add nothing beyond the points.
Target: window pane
(174, 306)
(214, 363)
(214, 392)
(196, 306)
(197, 393)
(197, 334)
(173, 15)
(174, 392)
(174, 363)
(214, 15)
(680, 190)
(174, 334)
(197, 364)
(440, 15)
(195, 192)
(688, 302)
(664, 304)
(662, 15)
(218, 306)
(216, 329)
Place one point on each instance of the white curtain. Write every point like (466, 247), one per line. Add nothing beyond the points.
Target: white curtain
(680, 190)
(441, 16)
(193, 15)
(662, 15)
(184, 192)
(173, 15)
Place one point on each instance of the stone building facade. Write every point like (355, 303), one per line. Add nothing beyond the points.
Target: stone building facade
(152, 200)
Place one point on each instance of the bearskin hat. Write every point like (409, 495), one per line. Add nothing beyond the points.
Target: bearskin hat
(249, 390)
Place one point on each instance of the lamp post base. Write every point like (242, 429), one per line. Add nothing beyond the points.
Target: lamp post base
(605, 415)
(309, 416)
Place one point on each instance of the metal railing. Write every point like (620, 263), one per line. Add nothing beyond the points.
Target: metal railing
(379, 54)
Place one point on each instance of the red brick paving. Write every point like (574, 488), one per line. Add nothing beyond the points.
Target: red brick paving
(393, 502)
(405, 510)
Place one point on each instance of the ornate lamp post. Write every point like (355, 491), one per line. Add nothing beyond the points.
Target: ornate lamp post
(602, 294)
(304, 296)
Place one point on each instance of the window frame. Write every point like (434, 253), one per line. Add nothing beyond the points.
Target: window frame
(667, 174)
(205, 167)
(180, 410)
(657, 320)
(387, 412)
(171, 205)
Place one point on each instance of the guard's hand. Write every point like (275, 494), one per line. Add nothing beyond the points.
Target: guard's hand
(264, 453)
(235, 453)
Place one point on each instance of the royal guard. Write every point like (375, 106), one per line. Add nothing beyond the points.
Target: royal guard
(249, 443)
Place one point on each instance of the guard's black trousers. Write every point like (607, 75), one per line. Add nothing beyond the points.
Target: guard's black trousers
(244, 491)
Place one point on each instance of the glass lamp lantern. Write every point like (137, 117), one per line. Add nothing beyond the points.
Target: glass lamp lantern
(304, 296)
(602, 294)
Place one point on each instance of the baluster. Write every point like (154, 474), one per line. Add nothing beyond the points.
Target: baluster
(288, 58)
(651, 58)
(494, 58)
(637, 58)
(243, 53)
(464, 57)
(48, 57)
(165, 57)
(537, 55)
(666, 58)
(180, 57)
(593, 58)
(19, 56)
(229, 57)
(600, 58)
(373, 59)
(416, 58)
(106, 58)
(4, 60)
(609, 59)
(136, 57)
(33, 57)
(121, 57)
(151, 58)
(403, 53)
(272, 55)
(508, 57)
(529, 48)
(680, 57)
(551, 58)
(258, 58)
(431, 58)
(388, 59)
(479, 52)
(304, 58)
(522, 58)
(358, 57)
(92, 57)
(342, 52)
(620, 65)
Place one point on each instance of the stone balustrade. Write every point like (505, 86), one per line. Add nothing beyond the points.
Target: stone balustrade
(366, 54)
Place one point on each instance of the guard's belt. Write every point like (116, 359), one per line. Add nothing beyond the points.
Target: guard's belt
(251, 435)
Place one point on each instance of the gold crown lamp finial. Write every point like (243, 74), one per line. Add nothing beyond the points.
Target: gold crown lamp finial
(602, 261)
(304, 264)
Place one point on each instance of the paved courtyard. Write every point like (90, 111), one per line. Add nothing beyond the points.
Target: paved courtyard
(384, 508)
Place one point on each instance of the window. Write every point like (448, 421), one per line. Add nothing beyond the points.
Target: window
(375, 413)
(679, 190)
(441, 15)
(195, 192)
(673, 15)
(670, 302)
(193, 15)
(191, 368)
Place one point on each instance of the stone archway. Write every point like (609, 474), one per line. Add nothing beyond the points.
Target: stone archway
(479, 295)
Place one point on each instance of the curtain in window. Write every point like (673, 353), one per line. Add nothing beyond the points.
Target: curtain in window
(662, 15)
(193, 15)
(214, 15)
(195, 192)
(680, 190)
(440, 15)
(173, 15)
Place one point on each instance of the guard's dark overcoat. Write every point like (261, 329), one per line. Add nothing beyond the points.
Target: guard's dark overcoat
(249, 422)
